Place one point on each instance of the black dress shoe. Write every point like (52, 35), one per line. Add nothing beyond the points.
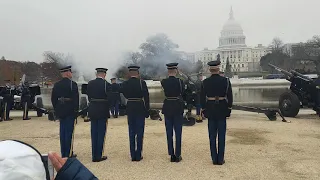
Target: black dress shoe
(221, 163)
(133, 159)
(214, 162)
(179, 159)
(27, 119)
(99, 160)
(173, 158)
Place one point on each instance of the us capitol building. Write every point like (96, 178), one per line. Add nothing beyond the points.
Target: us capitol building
(232, 45)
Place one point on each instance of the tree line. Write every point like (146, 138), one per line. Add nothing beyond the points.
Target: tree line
(303, 57)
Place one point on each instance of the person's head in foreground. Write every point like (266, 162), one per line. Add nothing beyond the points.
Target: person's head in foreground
(21, 161)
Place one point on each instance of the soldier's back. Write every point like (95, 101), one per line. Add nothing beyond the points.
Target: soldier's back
(97, 91)
(173, 89)
(132, 89)
(64, 89)
(216, 87)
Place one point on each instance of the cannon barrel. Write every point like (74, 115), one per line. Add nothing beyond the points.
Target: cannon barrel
(295, 73)
(287, 73)
(187, 77)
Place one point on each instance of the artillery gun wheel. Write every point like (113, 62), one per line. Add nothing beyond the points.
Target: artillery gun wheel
(289, 104)
(40, 105)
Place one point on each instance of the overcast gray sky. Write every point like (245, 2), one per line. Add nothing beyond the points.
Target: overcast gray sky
(95, 32)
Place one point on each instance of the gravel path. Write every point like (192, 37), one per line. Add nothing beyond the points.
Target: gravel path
(256, 148)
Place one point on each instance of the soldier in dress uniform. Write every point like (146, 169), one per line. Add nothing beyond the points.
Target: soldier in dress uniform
(173, 108)
(7, 93)
(65, 101)
(25, 100)
(115, 98)
(136, 92)
(216, 101)
(98, 112)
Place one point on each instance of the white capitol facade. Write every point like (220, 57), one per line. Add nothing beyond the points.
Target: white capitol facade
(232, 44)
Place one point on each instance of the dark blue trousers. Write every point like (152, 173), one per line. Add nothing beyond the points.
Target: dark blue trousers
(136, 131)
(25, 110)
(198, 108)
(115, 109)
(67, 125)
(174, 123)
(6, 110)
(217, 127)
(98, 134)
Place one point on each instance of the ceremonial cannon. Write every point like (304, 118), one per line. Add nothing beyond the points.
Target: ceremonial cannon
(303, 93)
(189, 120)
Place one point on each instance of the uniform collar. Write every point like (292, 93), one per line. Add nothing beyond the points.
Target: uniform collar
(99, 78)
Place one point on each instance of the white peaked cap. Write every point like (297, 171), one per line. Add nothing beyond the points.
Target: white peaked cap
(20, 162)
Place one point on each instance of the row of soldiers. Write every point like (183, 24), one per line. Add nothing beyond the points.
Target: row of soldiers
(7, 93)
(215, 99)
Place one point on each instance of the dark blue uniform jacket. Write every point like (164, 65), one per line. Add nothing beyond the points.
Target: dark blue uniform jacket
(68, 89)
(136, 88)
(173, 87)
(219, 86)
(98, 89)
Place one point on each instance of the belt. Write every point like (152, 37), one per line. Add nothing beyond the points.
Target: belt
(98, 100)
(172, 98)
(135, 99)
(217, 98)
(64, 99)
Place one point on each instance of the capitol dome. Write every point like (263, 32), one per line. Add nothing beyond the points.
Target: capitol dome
(232, 25)
(232, 33)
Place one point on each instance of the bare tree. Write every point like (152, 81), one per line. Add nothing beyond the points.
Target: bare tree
(309, 51)
(277, 45)
(53, 61)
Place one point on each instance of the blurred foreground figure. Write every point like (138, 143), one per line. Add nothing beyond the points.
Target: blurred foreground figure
(98, 90)
(65, 101)
(136, 91)
(19, 160)
(173, 108)
(216, 101)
